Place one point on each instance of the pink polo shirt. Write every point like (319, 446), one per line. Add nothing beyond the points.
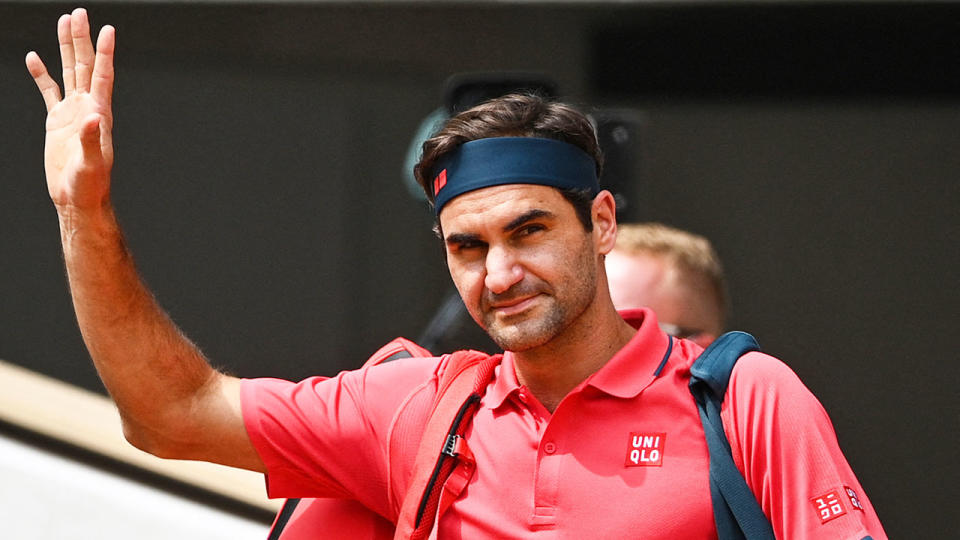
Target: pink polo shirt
(622, 456)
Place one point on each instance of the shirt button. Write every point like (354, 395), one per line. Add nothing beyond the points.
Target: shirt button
(549, 448)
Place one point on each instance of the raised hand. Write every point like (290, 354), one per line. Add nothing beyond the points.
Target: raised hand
(78, 155)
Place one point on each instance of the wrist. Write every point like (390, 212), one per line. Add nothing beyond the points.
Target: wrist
(86, 222)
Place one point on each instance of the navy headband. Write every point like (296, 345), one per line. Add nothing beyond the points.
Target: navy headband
(512, 160)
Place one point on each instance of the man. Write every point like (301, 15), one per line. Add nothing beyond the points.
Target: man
(675, 273)
(526, 230)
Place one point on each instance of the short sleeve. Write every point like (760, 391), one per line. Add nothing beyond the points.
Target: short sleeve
(328, 437)
(784, 443)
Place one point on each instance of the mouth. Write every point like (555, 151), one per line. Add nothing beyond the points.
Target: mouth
(514, 306)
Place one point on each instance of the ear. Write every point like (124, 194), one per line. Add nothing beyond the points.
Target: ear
(604, 215)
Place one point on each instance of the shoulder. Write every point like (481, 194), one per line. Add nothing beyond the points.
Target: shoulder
(374, 393)
(765, 388)
(761, 368)
(406, 372)
(757, 372)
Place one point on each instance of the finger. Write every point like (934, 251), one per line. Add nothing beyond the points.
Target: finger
(66, 54)
(102, 85)
(48, 87)
(83, 48)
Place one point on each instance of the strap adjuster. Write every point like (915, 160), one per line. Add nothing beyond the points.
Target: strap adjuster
(453, 447)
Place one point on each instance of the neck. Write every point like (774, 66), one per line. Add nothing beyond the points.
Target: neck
(552, 370)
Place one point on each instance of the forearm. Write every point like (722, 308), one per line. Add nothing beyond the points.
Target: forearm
(155, 375)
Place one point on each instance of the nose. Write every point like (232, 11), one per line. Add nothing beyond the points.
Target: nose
(503, 270)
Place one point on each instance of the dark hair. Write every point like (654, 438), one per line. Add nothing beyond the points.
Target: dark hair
(515, 115)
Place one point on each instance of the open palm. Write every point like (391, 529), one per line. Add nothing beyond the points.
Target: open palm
(78, 155)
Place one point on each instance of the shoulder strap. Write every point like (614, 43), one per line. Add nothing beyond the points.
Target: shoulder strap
(398, 348)
(735, 509)
(283, 517)
(460, 388)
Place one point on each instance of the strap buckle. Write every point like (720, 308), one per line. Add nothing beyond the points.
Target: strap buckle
(453, 447)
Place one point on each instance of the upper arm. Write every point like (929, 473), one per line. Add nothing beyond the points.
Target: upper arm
(330, 437)
(231, 442)
(207, 427)
(784, 443)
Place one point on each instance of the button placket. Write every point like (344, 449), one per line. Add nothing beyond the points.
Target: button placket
(547, 483)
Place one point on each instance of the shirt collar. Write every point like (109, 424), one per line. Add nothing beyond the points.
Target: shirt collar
(625, 375)
(639, 362)
(504, 384)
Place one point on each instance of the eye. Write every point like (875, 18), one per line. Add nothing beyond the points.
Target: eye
(466, 246)
(472, 244)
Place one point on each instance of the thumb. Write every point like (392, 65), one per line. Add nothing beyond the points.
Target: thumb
(90, 138)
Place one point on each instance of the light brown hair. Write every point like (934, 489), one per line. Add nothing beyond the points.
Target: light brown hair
(689, 252)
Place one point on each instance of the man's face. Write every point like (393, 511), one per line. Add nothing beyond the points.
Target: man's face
(523, 263)
(684, 304)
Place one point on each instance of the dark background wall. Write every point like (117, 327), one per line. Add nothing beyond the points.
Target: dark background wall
(258, 176)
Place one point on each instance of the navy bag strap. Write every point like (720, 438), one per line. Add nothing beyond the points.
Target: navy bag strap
(735, 509)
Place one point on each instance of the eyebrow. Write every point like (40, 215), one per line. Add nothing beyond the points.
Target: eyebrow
(525, 217)
(461, 238)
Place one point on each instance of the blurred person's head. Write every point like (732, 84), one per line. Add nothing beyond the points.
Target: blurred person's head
(675, 273)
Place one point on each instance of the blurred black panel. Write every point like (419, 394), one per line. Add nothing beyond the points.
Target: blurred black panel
(618, 132)
(781, 51)
(464, 90)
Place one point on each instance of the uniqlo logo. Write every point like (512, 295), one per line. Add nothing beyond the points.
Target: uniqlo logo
(829, 506)
(645, 449)
(854, 500)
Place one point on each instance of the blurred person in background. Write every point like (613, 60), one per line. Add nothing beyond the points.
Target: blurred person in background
(675, 273)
